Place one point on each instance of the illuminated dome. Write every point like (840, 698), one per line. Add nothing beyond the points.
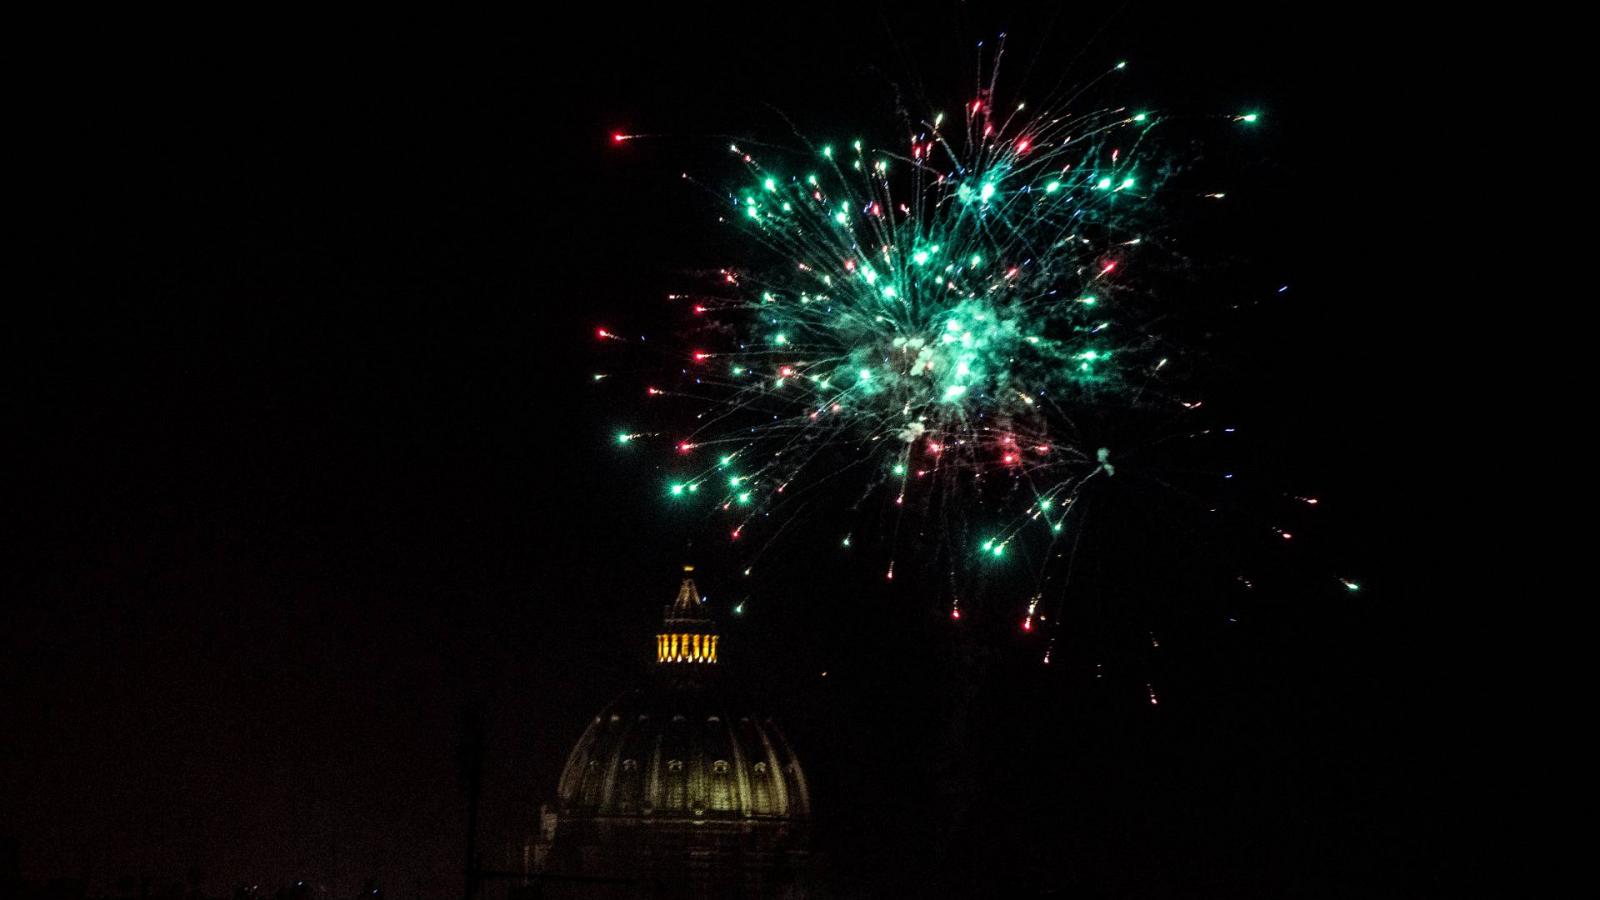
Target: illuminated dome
(681, 782)
(678, 753)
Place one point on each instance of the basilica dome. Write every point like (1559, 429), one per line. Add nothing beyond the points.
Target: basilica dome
(683, 752)
(681, 781)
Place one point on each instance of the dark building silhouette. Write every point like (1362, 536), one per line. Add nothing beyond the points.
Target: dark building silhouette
(678, 788)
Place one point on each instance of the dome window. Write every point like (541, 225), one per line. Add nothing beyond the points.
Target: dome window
(674, 765)
(720, 767)
(628, 765)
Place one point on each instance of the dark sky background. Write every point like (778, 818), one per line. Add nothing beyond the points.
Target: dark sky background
(309, 462)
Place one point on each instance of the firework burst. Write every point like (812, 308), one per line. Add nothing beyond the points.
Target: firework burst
(927, 324)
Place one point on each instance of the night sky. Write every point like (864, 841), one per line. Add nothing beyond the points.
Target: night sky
(309, 465)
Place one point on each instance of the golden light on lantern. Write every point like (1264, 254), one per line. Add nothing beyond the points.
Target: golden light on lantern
(678, 644)
(691, 648)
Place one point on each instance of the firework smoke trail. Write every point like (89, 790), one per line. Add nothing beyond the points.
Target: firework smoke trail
(921, 322)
